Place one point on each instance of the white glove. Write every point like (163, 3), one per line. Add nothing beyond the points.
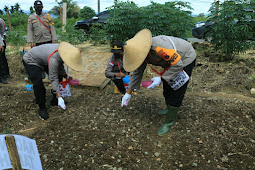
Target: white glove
(125, 99)
(156, 82)
(61, 103)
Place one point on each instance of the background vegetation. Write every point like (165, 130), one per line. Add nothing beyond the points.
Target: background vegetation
(123, 15)
(233, 30)
(162, 19)
(126, 19)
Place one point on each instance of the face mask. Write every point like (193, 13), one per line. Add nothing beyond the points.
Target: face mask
(38, 11)
(117, 55)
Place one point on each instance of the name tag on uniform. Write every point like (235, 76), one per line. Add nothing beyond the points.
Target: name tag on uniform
(181, 78)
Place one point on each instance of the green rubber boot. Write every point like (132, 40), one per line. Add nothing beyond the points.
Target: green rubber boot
(169, 121)
(163, 111)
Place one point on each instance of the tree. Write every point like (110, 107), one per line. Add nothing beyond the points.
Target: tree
(72, 8)
(86, 12)
(17, 7)
(31, 9)
(12, 10)
(6, 8)
(232, 30)
(9, 18)
(168, 19)
(202, 15)
(1, 12)
(126, 19)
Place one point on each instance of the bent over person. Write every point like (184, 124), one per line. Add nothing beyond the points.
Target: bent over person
(50, 58)
(40, 27)
(176, 56)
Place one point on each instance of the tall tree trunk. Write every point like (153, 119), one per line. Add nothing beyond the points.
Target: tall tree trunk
(61, 15)
(64, 17)
(9, 19)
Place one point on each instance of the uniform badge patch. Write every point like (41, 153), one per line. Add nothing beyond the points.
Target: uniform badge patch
(112, 63)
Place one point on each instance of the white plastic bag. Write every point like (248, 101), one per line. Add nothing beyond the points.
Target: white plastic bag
(64, 89)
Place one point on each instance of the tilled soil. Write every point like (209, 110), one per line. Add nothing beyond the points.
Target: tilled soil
(214, 129)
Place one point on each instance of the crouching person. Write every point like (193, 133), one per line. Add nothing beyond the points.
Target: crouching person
(114, 69)
(50, 58)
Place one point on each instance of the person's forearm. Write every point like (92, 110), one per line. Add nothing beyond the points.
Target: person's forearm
(117, 75)
(129, 91)
(58, 95)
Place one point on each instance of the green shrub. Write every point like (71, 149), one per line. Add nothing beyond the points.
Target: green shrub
(18, 21)
(167, 19)
(123, 21)
(16, 37)
(71, 35)
(229, 35)
(98, 35)
(126, 19)
(86, 13)
(19, 28)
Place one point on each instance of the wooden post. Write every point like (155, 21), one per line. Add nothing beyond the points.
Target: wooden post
(61, 15)
(64, 17)
(9, 18)
(13, 152)
(98, 7)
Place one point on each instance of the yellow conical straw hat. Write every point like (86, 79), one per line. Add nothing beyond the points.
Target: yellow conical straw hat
(71, 56)
(136, 50)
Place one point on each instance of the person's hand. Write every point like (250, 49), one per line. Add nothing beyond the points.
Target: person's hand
(61, 103)
(125, 99)
(1, 49)
(32, 45)
(69, 78)
(156, 82)
(120, 75)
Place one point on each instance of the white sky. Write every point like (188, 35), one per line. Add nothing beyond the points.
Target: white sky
(199, 6)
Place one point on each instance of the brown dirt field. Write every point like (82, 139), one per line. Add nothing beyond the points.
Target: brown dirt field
(215, 127)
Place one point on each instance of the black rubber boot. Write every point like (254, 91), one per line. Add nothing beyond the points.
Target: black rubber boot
(169, 121)
(4, 80)
(43, 112)
(7, 76)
